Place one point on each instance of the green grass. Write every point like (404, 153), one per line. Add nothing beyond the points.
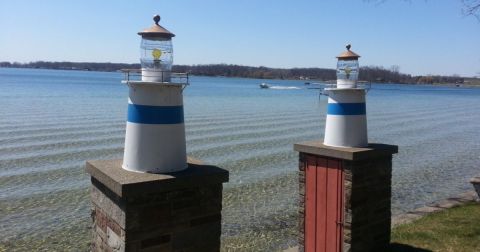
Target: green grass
(455, 229)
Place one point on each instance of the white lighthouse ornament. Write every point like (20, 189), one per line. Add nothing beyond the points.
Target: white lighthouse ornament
(155, 134)
(346, 123)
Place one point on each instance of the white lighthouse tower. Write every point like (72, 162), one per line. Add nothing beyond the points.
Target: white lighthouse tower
(155, 135)
(346, 124)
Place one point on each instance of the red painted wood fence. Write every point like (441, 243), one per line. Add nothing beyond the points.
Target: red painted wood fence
(324, 204)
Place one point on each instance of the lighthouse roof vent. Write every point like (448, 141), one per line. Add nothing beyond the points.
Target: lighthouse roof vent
(348, 55)
(156, 30)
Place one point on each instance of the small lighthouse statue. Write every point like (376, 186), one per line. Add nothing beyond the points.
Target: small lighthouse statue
(346, 124)
(155, 135)
(153, 199)
(345, 183)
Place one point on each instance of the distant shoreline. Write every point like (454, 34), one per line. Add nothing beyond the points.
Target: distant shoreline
(455, 85)
(308, 75)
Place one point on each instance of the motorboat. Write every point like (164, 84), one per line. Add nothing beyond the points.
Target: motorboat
(264, 85)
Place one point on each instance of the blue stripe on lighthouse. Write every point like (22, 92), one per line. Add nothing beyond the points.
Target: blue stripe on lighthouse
(346, 109)
(154, 114)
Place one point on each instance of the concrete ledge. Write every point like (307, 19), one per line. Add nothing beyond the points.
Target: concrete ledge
(127, 183)
(461, 199)
(372, 151)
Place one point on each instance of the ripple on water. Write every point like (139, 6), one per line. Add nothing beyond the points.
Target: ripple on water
(43, 147)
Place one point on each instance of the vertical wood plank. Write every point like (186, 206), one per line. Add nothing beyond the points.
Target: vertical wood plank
(310, 203)
(341, 206)
(321, 204)
(332, 205)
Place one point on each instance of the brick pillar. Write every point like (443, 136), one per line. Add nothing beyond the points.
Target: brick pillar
(361, 216)
(178, 211)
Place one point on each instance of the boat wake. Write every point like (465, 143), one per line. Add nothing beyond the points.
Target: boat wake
(283, 88)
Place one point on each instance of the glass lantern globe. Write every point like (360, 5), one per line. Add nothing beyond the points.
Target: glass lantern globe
(347, 69)
(156, 58)
(156, 53)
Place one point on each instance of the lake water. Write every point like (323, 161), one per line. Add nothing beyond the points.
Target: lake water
(53, 121)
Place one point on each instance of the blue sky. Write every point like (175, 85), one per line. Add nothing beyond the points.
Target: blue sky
(422, 37)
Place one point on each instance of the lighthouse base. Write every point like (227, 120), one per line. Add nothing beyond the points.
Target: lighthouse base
(346, 124)
(155, 131)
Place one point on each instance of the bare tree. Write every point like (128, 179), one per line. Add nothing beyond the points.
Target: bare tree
(471, 7)
(395, 69)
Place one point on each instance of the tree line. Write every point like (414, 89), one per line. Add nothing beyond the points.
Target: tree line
(257, 72)
(368, 73)
(65, 65)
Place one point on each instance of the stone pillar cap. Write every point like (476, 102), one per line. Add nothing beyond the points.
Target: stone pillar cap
(475, 180)
(127, 183)
(373, 150)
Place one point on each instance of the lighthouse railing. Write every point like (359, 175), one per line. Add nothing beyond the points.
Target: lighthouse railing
(361, 84)
(136, 75)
